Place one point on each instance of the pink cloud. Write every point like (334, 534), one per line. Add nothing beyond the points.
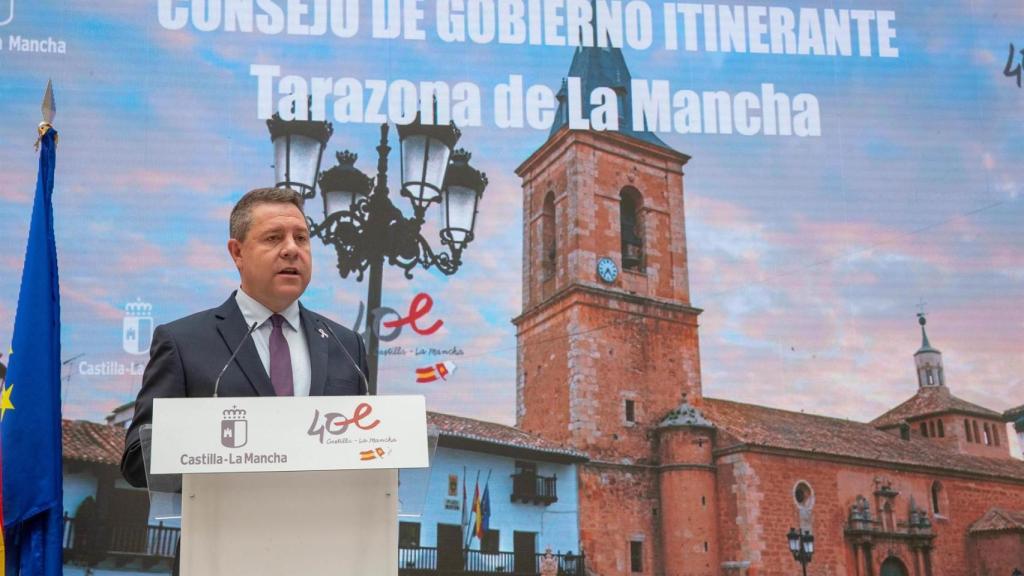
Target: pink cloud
(201, 256)
(93, 300)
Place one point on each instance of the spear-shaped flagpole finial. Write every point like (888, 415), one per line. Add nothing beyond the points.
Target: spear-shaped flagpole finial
(49, 106)
(49, 110)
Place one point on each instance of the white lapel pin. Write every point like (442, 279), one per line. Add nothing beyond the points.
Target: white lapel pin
(322, 333)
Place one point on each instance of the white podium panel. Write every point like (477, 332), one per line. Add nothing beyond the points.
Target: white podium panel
(305, 485)
(269, 434)
(340, 523)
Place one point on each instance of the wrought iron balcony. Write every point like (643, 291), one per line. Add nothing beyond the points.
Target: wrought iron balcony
(534, 489)
(94, 542)
(423, 561)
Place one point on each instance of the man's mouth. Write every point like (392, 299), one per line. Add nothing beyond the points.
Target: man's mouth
(289, 271)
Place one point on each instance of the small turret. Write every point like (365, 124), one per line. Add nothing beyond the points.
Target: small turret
(928, 360)
(689, 518)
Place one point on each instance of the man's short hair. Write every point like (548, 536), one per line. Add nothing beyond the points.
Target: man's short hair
(241, 214)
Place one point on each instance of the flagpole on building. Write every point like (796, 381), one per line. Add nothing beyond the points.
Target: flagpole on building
(465, 513)
(476, 490)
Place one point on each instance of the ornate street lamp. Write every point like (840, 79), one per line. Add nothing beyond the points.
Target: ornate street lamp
(463, 188)
(801, 545)
(298, 147)
(359, 219)
(425, 153)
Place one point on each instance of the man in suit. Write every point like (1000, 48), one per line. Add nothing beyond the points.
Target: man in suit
(291, 352)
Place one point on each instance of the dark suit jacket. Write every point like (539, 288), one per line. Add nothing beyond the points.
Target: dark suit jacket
(187, 355)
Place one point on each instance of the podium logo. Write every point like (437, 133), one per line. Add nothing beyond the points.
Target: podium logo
(137, 327)
(336, 423)
(6, 12)
(234, 428)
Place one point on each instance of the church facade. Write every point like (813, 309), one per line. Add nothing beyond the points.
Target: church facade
(679, 484)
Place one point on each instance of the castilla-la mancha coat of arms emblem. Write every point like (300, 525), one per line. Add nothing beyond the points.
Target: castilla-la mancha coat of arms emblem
(234, 428)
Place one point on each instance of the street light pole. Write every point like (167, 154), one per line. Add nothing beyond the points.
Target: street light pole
(375, 283)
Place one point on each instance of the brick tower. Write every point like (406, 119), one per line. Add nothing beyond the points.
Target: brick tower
(607, 340)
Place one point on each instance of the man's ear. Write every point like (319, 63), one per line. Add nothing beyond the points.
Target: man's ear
(235, 250)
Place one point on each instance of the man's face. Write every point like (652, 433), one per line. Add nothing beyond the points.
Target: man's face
(274, 259)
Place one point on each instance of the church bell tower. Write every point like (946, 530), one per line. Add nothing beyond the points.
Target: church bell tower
(607, 339)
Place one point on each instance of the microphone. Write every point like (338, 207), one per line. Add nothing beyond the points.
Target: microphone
(216, 383)
(366, 383)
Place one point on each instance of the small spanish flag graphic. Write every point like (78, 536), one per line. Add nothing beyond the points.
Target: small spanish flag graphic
(371, 454)
(441, 370)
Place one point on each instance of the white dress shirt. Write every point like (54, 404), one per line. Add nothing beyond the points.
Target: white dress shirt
(253, 311)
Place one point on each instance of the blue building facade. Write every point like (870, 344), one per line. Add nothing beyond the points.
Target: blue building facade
(531, 502)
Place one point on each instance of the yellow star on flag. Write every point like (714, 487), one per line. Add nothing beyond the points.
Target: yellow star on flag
(5, 400)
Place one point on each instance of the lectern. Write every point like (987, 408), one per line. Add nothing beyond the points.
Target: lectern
(300, 485)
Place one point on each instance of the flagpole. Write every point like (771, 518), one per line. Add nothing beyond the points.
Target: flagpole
(470, 533)
(463, 522)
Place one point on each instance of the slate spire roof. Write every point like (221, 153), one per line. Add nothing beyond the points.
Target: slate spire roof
(601, 67)
(926, 346)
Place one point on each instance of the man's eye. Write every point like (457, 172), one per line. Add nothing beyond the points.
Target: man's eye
(273, 238)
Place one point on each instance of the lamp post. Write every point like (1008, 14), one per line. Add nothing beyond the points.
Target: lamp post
(359, 218)
(801, 544)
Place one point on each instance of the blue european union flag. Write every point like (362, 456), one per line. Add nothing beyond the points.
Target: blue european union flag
(485, 509)
(30, 418)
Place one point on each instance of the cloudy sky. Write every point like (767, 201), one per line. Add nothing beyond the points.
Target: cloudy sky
(810, 256)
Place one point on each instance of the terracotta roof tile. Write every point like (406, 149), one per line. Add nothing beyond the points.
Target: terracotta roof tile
(999, 520)
(933, 400)
(746, 424)
(100, 443)
(91, 442)
(460, 427)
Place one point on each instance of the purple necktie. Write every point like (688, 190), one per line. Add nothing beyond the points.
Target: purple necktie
(280, 359)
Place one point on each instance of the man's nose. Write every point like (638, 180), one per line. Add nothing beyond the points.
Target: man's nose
(290, 249)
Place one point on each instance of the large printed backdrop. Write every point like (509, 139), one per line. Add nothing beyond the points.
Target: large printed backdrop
(812, 244)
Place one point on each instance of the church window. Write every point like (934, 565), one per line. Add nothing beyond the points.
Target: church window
(549, 237)
(942, 432)
(631, 229)
(888, 518)
(630, 411)
(977, 435)
(924, 429)
(936, 493)
(988, 435)
(995, 434)
(636, 556)
(967, 429)
(803, 495)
